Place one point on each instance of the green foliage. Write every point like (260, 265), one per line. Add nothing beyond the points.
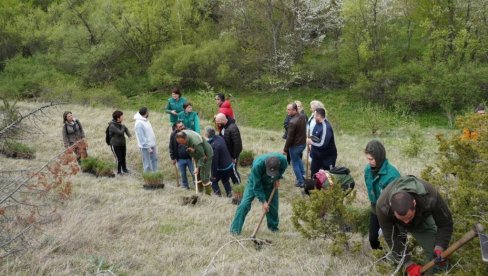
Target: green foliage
(329, 214)
(416, 140)
(97, 167)
(9, 113)
(461, 173)
(153, 178)
(246, 158)
(239, 188)
(15, 149)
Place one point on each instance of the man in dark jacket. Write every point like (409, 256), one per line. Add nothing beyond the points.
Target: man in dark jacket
(232, 137)
(324, 151)
(412, 205)
(222, 164)
(180, 156)
(296, 141)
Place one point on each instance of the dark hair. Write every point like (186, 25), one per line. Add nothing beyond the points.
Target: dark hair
(180, 134)
(210, 132)
(401, 203)
(220, 96)
(176, 90)
(143, 111)
(320, 111)
(65, 114)
(116, 115)
(185, 105)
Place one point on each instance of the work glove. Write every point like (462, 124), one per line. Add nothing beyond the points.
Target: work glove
(414, 270)
(438, 259)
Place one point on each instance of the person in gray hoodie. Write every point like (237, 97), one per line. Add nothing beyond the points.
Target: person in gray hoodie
(146, 140)
(117, 132)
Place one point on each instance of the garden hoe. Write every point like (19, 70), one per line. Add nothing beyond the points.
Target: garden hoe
(259, 243)
(476, 231)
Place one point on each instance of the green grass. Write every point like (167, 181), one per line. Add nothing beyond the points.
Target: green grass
(261, 109)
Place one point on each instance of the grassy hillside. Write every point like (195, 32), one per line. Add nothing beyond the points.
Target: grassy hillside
(113, 225)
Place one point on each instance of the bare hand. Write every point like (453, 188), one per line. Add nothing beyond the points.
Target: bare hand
(150, 150)
(277, 184)
(173, 161)
(174, 112)
(190, 150)
(265, 207)
(309, 141)
(196, 171)
(284, 153)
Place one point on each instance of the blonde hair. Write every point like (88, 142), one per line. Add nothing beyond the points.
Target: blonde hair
(317, 104)
(299, 106)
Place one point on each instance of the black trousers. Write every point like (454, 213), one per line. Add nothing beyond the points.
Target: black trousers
(120, 152)
(374, 227)
(234, 174)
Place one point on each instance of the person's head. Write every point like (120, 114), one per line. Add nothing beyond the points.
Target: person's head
(175, 93)
(209, 132)
(221, 119)
(181, 138)
(118, 116)
(187, 107)
(144, 112)
(316, 104)
(319, 115)
(179, 125)
(480, 109)
(219, 99)
(299, 106)
(375, 154)
(67, 117)
(292, 109)
(403, 206)
(272, 164)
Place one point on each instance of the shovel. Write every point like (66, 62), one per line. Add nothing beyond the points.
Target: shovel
(260, 243)
(476, 231)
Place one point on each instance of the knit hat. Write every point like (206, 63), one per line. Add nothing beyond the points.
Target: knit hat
(272, 166)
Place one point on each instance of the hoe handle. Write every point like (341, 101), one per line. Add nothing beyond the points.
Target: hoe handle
(264, 214)
(455, 246)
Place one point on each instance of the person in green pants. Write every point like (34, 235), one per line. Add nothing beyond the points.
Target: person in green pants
(265, 174)
(201, 151)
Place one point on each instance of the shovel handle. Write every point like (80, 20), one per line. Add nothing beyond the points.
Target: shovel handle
(263, 214)
(455, 246)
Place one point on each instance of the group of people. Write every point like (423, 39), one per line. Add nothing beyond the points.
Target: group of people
(399, 204)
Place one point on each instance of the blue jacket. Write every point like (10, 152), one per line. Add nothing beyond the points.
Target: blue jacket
(221, 159)
(326, 147)
(375, 185)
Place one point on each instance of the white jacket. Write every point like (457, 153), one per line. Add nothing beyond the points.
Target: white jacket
(144, 132)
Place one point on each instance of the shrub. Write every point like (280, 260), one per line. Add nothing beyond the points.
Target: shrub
(461, 174)
(246, 158)
(416, 141)
(97, 167)
(153, 178)
(18, 150)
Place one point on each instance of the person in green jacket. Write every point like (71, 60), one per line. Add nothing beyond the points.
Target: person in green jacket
(201, 152)
(174, 106)
(378, 173)
(189, 118)
(265, 174)
(411, 205)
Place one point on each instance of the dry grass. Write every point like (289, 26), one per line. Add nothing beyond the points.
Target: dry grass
(112, 225)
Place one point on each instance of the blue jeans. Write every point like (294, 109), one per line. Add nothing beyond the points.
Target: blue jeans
(182, 165)
(149, 160)
(297, 163)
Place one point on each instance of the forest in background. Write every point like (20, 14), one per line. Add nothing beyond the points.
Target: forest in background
(422, 54)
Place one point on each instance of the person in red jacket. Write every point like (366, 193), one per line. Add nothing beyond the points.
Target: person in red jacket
(224, 106)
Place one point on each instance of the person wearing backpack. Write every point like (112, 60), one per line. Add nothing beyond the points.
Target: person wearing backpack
(378, 174)
(73, 135)
(116, 140)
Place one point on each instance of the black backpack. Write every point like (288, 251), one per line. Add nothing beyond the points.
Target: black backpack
(107, 135)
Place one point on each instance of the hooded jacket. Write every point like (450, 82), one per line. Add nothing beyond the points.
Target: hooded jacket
(144, 132)
(226, 109)
(428, 203)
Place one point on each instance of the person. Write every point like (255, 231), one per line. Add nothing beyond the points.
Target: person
(266, 172)
(378, 173)
(287, 119)
(74, 136)
(174, 105)
(189, 117)
(324, 151)
(222, 163)
(224, 106)
(117, 132)
(179, 155)
(412, 205)
(201, 152)
(232, 137)
(295, 142)
(311, 122)
(146, 140)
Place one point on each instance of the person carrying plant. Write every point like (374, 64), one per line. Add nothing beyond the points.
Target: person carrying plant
(174, 105)
(222, 164)
(411, 205)
(201, 151)
(232, 137)
(180, 156)
(266, 172)
(378, 173)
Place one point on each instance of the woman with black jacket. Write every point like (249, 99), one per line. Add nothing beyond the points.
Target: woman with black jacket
(117, 133)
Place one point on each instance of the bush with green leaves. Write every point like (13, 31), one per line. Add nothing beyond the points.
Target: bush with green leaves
(461, 175)
(15, 149)
(246, 158)
(97, 167)
(153, 178)
(416, 140)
